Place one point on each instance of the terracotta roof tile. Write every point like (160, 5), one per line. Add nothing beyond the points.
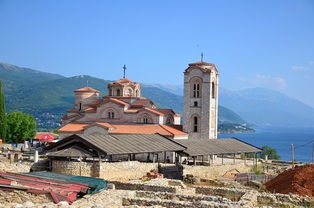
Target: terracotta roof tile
(73, 127)
(124, 80)
(119, 101)
(90, 110)
(164, 111)
(173, 130)
(145, 129)
(154, 111)
(131, 111)
(125, 128)
(86, 89)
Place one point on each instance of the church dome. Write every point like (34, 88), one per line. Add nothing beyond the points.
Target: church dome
(86, 89)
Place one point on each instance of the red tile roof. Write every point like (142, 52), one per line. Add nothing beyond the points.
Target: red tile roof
(145, 129)
(90, 110)
(125, 128)
(86, 89)
(118, 101)
(123, 80)
(154, 111)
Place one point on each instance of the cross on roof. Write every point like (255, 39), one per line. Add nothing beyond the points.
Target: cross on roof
(124, 68)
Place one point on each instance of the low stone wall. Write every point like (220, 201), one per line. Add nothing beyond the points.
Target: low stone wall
(16, 196)
(213, 171)
(181, 197)
(143, 187)
(124, 171)
(76, 168)
(267, 199)
(232, 194)
(131, 170)
(173, 204)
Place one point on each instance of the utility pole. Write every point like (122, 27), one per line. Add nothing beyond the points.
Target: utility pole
(292, 155)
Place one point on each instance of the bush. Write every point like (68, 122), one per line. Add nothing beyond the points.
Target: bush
(271, 152)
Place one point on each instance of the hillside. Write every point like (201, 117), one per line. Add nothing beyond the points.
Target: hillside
(47, 96)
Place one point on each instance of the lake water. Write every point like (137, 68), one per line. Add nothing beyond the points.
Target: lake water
(281, 139)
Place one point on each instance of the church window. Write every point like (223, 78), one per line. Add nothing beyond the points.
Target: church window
(213, 90)
(196, 90)
(111, 115)
(130, 92)
(195, 103)
(145, 120)
(118, 92)
(195, 124)
(80, 108)
(169, 120)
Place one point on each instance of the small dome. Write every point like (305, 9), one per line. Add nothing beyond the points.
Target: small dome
(86, 89)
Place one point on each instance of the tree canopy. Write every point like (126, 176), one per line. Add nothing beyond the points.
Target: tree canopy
(20, 126)
(2, 113)
(271, 152)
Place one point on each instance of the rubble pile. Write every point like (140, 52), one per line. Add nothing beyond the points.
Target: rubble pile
(298, 180)
(152, 174)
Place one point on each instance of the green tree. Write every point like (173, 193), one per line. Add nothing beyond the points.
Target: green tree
(20, 126)
(2, 114)
(271, 152)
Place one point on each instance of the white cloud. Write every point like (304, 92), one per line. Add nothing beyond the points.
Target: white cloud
(300, 68)
(260, 80)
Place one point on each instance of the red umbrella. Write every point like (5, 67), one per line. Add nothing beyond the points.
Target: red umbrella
(45, 137)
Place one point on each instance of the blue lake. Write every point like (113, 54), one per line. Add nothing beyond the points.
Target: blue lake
(281, 139)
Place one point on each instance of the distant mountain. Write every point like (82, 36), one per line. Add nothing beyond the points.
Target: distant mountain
(47, 96)
(261, 106)
(267, 107)
(15, 77)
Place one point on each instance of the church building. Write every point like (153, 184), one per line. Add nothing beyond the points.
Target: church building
(125, 111)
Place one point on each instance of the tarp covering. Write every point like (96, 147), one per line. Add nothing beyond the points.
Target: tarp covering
(95, 184)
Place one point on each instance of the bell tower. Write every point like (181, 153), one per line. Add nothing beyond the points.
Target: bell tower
(201, 101)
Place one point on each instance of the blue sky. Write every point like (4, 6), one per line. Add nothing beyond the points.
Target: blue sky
(253, 43)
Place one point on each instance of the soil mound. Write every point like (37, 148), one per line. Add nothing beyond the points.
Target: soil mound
(298, 180)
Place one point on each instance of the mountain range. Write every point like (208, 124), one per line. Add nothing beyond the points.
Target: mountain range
(47, 96)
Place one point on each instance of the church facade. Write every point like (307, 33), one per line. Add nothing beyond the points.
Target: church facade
(125, 111)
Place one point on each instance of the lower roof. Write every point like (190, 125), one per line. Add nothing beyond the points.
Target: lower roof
(198, 147)
(119, 144)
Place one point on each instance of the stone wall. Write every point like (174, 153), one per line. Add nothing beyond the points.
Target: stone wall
(213, 171)
(130, 170)
(76, 168)
(125, 171)
(143, 187)
(122, 171)
(232, 194)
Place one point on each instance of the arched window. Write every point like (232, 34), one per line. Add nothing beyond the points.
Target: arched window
(110, 114)
(130, 92)
(145, 120)
(195, 103)
(170, 120)
(136, 93)
(213, 90)
(80, 108)
(196, 90)
(118, 92)
(195, 124)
